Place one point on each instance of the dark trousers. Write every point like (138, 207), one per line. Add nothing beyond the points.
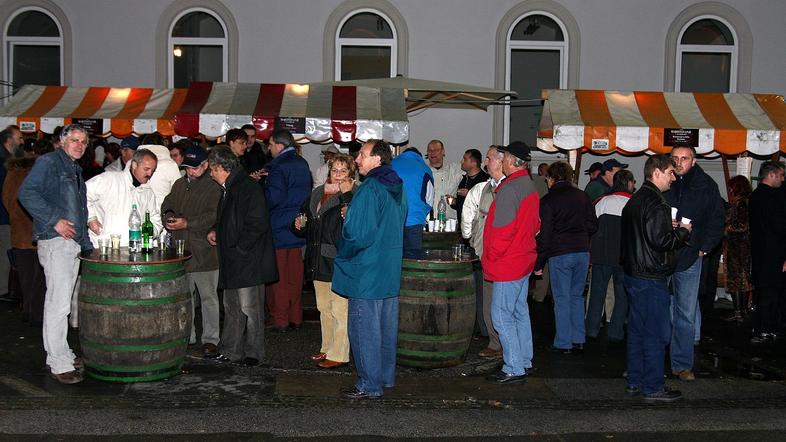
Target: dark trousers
(413, 241)
(477, 276)
(32, 282)
(649, 331)
(708, 284)
(765, 318)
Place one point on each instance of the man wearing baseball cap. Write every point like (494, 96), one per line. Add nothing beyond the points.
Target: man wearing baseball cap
(602, 184)
(321, 174)
(509, 254)
(189, 211)
(128, 146)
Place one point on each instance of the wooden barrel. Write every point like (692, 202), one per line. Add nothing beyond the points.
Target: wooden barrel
(134, 320)
(436, 310)
(440, 240)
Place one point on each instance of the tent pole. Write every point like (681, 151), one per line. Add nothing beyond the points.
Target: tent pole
(577, 168)
(726, 175)
(776, 156)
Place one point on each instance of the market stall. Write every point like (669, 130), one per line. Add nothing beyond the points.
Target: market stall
(318, 112)
(103, 110)
(602, 122)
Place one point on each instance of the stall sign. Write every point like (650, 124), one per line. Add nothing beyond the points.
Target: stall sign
(93, 126)
(295, 125)
(600, 144)
(27, 126)
(681, 137)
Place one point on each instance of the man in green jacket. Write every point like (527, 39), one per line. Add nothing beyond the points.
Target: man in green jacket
(368, 269)
(189, 211)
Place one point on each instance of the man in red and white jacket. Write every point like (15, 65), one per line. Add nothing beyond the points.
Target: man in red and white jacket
(509, 254)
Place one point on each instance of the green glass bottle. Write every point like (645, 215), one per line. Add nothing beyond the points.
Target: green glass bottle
(147, 234)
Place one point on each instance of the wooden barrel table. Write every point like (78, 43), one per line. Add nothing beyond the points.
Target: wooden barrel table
(436, 310)
(134, 315)
(440, 240)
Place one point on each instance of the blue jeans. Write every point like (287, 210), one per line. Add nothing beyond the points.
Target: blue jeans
(373, 330)
(601, 274)
(648, 332)
(684, 304)
(568, 277)
(413, 241)
(510, 316)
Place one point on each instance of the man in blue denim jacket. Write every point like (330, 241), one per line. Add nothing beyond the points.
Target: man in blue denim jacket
(55, 196)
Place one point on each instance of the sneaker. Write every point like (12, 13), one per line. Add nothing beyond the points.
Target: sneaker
(632, 390)
(564, 351)
(685, 375)
(665, 395)
(762, 338)
(68, 378)
(502, 378)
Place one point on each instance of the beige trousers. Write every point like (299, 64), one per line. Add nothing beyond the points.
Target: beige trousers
(333, 318)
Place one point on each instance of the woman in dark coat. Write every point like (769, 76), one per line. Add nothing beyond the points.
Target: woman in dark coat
(737, 245)
(322, 228)
(246, 260)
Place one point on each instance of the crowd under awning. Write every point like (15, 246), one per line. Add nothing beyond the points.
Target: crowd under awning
(104, 110)
(633, 122)
(318, 112)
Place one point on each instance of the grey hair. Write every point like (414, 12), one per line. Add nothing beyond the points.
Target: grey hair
(500, 155)
(518, 162)
(71, 128)
(140, 154)
(222, 156)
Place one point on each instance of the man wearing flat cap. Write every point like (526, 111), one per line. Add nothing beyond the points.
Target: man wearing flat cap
(509, 254)
(189, 212)
(602, 184)
(321, 174)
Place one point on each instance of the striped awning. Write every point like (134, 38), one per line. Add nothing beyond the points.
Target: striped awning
(319, 112)
(604, 121)
(105, 110)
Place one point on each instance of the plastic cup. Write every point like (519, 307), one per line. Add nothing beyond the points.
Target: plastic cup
(673, 213)
(115, 241)
(303, 220)
(103, 246)
(685, 220)
(180, 247)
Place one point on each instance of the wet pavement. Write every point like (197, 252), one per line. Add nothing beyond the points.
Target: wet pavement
(739, 393)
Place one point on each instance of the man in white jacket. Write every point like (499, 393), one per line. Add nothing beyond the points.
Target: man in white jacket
(446, 176)
(167, 172)
(111, 194)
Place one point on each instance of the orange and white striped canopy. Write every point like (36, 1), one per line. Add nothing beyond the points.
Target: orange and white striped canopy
(117, 111)
(604, 121)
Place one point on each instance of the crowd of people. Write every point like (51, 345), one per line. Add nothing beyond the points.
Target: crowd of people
(258, 223)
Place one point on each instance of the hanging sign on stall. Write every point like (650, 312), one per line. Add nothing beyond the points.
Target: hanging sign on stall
(600, 144)
(28, 126)
(93, 126)
(681, 137)
(295, 125)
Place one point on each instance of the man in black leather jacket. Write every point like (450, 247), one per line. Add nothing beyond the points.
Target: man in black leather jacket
(649, 239)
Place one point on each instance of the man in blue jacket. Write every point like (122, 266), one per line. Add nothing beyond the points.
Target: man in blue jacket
(55, 196)
(419, 190)
(696, 197)
(287, 186)
(368, 269)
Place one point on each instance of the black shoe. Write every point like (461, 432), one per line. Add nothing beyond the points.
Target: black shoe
(502, 378)
(276, 329)
(665, 395)
(631, 390)
(564, 351)
(578, 348)
(355, 393)
(250, 362)
(220, 358)
(295, 327)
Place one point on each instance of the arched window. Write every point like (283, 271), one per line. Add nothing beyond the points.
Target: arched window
(366, 46)
(536, 59)
(197, 48)
(34, 48)
(706, 56)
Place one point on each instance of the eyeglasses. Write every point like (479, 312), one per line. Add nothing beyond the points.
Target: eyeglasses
(339, 170)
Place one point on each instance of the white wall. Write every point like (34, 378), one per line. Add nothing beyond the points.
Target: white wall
(622, 47)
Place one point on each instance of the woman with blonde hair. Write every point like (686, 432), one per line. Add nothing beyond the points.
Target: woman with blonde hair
(320, 222)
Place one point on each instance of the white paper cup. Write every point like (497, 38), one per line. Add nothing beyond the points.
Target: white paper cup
(673, 213)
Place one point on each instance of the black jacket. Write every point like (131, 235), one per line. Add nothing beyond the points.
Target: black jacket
(567, 221)
(696, 196)
(768, 236)
(648, 240)
(323, 229)
(606, 241)
(246, 257)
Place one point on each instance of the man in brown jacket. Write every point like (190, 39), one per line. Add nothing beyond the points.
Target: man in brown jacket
(189, 211)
